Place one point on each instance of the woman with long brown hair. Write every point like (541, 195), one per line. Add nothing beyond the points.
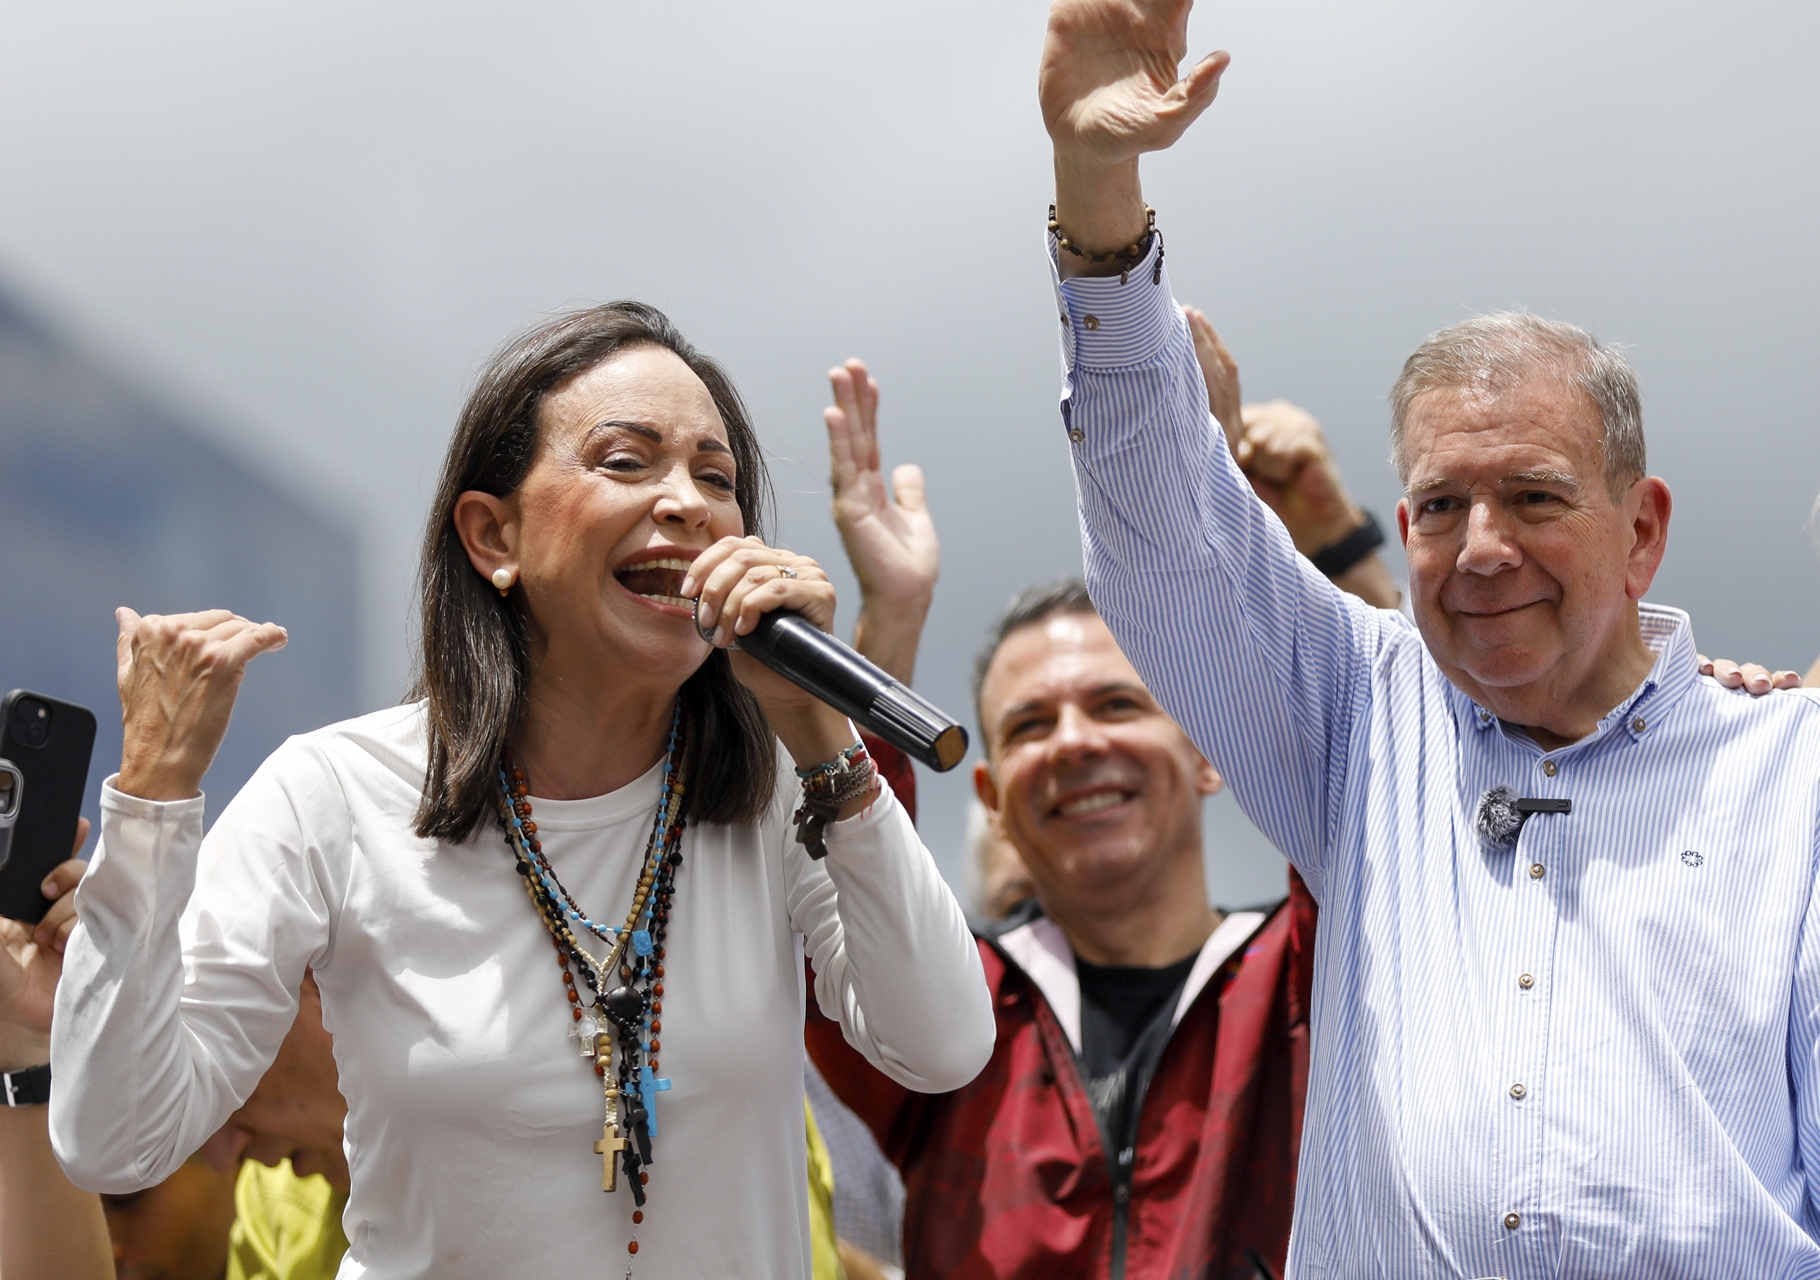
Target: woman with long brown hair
(555, 904)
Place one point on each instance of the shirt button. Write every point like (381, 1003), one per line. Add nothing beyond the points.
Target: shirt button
(1548, 768)
(1517, 1091)
(1513, 1220)
(1077, 435)
(1090, 323)
(1535, 870)
(1525, 981)
(1639, 724)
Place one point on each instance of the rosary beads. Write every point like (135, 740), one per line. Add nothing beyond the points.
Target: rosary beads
(622, 1007)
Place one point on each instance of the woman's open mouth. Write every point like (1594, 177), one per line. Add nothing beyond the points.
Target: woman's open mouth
(658, 580)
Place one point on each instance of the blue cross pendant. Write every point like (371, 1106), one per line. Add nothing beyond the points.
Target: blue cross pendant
(648, 1087)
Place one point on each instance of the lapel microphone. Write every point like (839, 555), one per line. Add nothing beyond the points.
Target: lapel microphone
(1502, 813)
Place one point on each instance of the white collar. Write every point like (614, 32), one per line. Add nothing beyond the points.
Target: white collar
(1041, 950)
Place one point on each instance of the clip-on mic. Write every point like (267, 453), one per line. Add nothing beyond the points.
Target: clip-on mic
(810, 658)
(1502, 813)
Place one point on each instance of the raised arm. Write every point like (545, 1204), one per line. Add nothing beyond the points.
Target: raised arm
(895, 964)
(151, 1058)
(1263, 660)
(1804, 1050)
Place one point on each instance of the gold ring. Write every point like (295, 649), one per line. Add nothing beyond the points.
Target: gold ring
(786, 571)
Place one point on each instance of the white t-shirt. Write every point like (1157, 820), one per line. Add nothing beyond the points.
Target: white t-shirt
(471, 1112)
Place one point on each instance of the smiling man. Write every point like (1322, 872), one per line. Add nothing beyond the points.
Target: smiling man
(1142, 1108)
(1141, 1112)
(1567, 984)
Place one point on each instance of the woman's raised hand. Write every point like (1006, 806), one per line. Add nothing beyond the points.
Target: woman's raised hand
(179, 676)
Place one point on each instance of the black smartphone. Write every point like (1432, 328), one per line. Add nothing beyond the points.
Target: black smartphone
(45, 747)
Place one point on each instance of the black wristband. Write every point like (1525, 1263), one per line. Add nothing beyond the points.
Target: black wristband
(28, 1088)
(1348, 551)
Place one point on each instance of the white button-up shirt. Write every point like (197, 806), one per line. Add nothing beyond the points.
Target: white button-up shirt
(1588, 1055)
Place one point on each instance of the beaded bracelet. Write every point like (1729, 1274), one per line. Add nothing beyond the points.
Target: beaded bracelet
(842, 760)
(1130, 255)
(827, 789)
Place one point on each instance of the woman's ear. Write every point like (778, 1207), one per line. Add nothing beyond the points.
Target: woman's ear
(488, 530)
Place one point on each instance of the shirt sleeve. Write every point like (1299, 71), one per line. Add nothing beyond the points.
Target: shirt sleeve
(1804, 1048)
(1263, 660)
(894, 962)
(181, 978)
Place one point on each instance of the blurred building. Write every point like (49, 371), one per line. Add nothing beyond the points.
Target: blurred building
(108, 498)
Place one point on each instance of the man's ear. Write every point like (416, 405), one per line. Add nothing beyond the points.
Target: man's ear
(1649, 505)
(1403, 520)
(985, 786)
(1207, 779)
(488, 528)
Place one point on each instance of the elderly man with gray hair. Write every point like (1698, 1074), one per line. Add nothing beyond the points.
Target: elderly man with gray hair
(1567, 993)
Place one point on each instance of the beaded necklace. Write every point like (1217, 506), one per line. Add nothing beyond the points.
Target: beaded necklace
(626, 1014)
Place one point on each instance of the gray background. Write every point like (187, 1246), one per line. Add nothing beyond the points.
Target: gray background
(309, 223)
(107, 499)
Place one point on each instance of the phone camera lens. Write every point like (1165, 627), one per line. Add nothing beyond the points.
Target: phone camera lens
(31, 722)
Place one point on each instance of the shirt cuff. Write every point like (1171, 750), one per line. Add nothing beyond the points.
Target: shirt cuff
(144, 866)
(1107, 324)
(866, 821)
(114, 800)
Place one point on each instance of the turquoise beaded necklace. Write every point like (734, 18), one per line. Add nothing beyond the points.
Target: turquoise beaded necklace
(625, 1014)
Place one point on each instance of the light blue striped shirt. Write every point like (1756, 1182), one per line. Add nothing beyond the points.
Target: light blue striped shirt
(1590, 1056)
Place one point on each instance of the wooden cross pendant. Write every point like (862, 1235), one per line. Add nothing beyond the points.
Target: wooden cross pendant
(609, 1147)
(611, 1143)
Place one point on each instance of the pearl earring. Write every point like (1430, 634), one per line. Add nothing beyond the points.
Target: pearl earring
(504, 578)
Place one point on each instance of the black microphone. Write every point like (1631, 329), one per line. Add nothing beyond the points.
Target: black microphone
(810, 658)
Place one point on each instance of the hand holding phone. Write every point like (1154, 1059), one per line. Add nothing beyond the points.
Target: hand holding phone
(45, 746)
(31, 962)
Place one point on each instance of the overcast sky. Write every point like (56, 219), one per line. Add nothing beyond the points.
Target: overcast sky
(309, 223)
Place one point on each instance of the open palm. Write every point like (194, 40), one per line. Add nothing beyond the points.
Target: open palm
(1108, 84)
(889, 536)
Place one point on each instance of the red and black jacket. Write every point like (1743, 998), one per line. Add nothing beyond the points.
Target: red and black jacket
(1010, 1176)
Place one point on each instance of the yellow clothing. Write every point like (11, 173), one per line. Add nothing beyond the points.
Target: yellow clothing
(822, 1248)
(286, 1227)
(289, 1228)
